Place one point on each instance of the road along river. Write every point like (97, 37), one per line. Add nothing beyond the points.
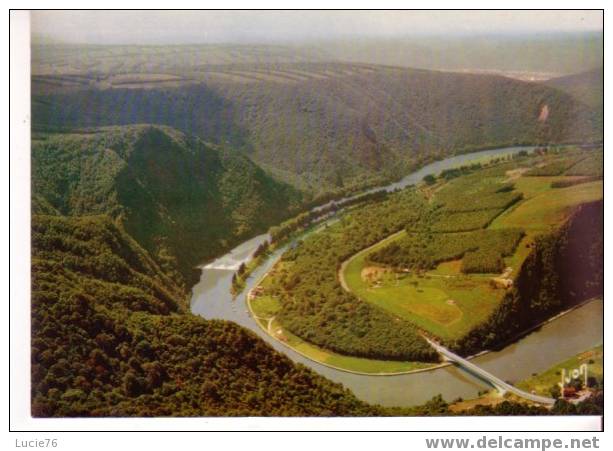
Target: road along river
(554, 342)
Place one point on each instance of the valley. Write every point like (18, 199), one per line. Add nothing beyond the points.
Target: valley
(274, 230)
(324, 127)
(211, 299)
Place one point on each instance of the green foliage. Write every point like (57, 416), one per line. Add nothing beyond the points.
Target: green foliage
(316, 308)
(482, 261)
(92, 253)
(564, 268)
(182, 200)
(112, 339)
(592, 165)
(483, 190)
(302, 221)
(571, 162)
(572, 182)
(319, 126)
(555, 391)
(429, 179)
(556, 167)
(586, 87)
(481, 251)
(463, 221)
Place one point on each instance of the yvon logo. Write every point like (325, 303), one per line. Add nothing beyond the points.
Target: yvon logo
(574, 374)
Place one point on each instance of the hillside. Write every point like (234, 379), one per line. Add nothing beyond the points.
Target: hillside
(321, 126)
(587, 87)
(181, 199)
(110, 337)
(523, 56)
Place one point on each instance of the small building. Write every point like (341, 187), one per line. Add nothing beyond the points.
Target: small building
(569, 392)
(501, 282)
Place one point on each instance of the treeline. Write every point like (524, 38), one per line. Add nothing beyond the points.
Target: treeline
(437, 406)
(303, 220)
(563, 269)
(591, 166)
(481, 251)
(466, 169)
(594, 405)
(571, 162)
(110, 337)
(573, 182)
(473, 201)
(239, 278)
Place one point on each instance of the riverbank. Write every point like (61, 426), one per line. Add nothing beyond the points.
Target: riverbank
(323, 356)
(348, 364)
(541, 383)
(535, 352)
(337, 204)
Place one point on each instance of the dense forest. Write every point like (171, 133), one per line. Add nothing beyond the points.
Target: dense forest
(587, 87)
(323, 127)
(315, 306)
(182, 200)
(111, 337)
(454, 227)
(481, 251)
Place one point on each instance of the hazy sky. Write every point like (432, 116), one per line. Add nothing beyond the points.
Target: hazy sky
(153, 27)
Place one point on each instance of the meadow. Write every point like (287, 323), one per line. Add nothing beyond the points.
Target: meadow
(424, 299)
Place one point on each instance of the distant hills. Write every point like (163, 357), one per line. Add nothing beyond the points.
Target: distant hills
(322, 127)
(524, 56)
(543, 55)
(588, 87)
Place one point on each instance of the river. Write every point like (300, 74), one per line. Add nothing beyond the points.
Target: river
(562, 338)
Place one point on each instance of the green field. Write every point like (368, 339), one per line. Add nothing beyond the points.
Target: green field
(265, 307)
(545, 207)
(444, 301)
(541, 383)
(447, 304)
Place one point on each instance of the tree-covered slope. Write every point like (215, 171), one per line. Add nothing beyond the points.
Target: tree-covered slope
(181, 199)
(110, 338)
(323, 126)
(588, 87)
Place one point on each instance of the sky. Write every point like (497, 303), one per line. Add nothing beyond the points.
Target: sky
(181, 27)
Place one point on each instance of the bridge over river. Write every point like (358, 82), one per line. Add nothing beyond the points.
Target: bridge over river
(500, 385)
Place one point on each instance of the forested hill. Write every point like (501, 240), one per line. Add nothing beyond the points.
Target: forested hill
(587, 87)
(182, 200)
(110, 337)
(320, 126)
